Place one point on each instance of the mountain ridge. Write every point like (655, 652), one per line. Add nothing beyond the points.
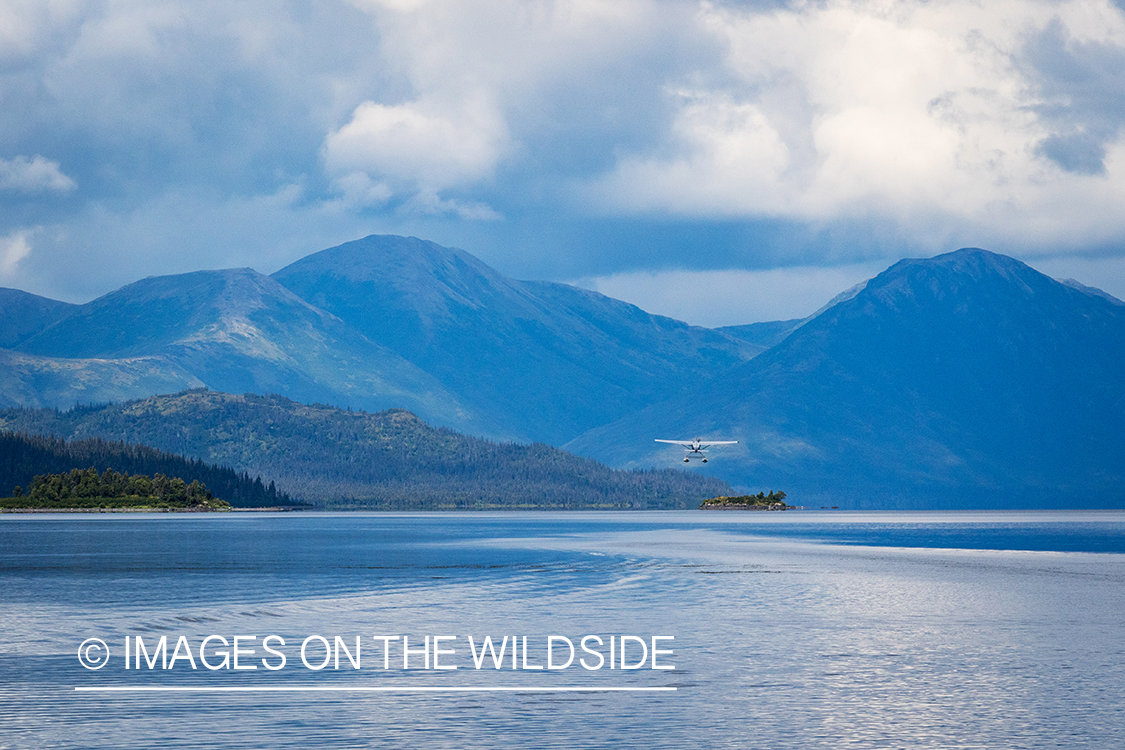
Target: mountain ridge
(23, 314)
(239, 330)
(572, 357)
(966, 371)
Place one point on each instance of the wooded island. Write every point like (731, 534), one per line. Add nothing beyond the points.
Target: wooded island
(85, 489)
(761, 501)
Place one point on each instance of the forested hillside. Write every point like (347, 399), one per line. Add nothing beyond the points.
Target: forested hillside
(23, 457)
(352, 459)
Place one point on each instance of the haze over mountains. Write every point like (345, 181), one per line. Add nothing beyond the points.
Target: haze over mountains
(966, 379)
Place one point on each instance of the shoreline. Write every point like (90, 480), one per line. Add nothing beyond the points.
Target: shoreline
(110, 510)
(736, 506)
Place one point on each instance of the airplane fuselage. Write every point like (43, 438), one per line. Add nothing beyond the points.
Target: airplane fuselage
(696, 448)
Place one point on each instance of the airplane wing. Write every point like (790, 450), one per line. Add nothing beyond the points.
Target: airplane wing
(674, 442)
(719, 442)
(701, 443)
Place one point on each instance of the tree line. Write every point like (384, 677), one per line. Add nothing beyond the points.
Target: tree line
(81, 488)
(773, 498)
(390, 460)
(23, 457)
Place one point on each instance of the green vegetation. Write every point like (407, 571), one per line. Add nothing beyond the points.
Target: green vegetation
(23, 457)
(85, 488)
(391, 460)
(761, 501)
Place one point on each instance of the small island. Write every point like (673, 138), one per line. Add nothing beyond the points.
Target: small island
(761, 501)
(86, 490)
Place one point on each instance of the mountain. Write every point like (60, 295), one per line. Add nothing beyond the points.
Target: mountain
(23, 314)
(390, 460)
(235, 330)
(378, 323)
(548, 360)
(962, 380)
(29, 380)
(965, 380)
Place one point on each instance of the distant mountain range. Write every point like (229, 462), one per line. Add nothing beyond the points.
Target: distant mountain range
(963, 380)
(378, 323)
(529, 360)
(233, 330)
(966, 380)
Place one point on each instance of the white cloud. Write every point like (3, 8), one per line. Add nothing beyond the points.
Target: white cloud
(13, 249)
(423, 144)
(34, 175)
(469, 73)
(25, 24)
(735, 161)
(427, 202)
(358, 189)
(924, 113)
(795, 131)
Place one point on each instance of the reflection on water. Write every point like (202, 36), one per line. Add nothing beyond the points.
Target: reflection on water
(791, 630)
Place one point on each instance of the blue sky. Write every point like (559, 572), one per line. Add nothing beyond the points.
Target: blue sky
(719, 162)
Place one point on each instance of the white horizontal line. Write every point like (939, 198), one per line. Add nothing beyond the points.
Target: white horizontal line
(364, 689)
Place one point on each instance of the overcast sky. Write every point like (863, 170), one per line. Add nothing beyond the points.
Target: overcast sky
(721, 162)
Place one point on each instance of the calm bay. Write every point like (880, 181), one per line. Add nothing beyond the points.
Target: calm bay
(799, 629)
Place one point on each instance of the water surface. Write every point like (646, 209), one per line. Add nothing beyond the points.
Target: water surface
(792, 630)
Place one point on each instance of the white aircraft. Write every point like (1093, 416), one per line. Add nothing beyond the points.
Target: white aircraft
(697, 448)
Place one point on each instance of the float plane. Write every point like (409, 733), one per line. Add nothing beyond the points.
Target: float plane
(697, 448)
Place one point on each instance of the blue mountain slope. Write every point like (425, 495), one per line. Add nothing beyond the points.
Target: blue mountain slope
(237, 330)
(548, 360)
(28, 380)
(23, 315)
(963, 380)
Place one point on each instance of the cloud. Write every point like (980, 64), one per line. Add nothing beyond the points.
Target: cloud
(922, 114)
(430, 203)
(1079, 85)
(13, 249)
(495, 90)
(358, 190)
(27, 25)
(34, 175)
(1079, 153)
(421, 145)
(734, 159)
(557, 139)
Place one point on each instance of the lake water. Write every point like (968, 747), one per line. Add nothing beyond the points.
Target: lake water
(791, 630)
